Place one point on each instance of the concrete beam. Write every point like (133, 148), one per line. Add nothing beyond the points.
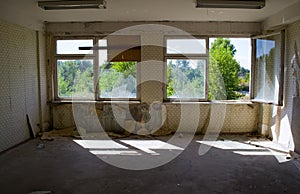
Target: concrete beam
(194, 28)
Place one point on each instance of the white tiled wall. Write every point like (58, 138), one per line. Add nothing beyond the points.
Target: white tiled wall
(281, 117)
(18, 82)
(293, 39)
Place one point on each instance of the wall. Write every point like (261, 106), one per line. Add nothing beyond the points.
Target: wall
(278, 119)
(236, 117)
(293, 75)
(19, 84)
(293, 47)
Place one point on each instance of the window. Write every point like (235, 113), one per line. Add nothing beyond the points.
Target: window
(186, 68)
(268, 68)
(105, 71)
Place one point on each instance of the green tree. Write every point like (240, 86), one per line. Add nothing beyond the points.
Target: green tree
(185, 78)
(75, 78)
(223, 71)
(113, 75)
(244, 79)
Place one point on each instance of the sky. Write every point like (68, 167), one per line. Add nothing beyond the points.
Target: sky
(242, 45)
(243, 50)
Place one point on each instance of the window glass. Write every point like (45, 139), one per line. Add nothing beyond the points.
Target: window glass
(267, 75)
(68, 47)
(75, 78)
(186, 46)
(186, 78)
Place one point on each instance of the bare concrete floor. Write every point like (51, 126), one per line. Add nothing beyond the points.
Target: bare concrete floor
(63, 166)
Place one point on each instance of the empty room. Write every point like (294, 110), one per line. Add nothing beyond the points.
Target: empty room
(136, 96)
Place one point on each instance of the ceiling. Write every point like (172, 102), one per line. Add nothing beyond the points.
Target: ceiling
(27, 13)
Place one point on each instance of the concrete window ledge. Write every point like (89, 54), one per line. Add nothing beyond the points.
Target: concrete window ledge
(233, 102)
(93, 102)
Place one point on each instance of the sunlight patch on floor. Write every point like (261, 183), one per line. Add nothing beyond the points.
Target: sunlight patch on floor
(100, 144)
(149, 145)
(229, 145)
(114, 152)
(111, 147)
(257, 148)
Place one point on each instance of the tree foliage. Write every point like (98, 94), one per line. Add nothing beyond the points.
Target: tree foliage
(75, 78)
(223, 71)
(185, 79)
(117, 79)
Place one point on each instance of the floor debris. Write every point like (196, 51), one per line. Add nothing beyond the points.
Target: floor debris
(40, 146)
(41, 192)
(67, 132)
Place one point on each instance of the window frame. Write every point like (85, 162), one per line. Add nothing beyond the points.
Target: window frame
(95, 58)
(204, 57)
(280, 94)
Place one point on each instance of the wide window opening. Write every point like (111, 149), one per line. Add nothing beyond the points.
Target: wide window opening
(186, 68)
(229, 68)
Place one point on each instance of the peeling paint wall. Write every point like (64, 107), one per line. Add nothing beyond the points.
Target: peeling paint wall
(238, 118)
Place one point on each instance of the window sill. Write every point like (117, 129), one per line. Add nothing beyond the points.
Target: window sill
(93, 102)
(229, 102)
(211, 102)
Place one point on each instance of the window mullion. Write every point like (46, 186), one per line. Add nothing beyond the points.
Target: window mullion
(96, 71)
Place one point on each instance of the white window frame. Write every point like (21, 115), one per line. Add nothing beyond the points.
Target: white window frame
(204, 56)
(95, 58)
(280, 94)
